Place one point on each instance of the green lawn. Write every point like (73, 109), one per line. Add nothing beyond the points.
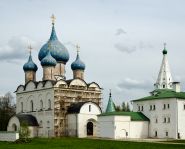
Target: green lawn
(74, 143)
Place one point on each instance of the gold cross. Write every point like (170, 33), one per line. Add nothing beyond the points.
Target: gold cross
(78, 48)
(30, 48)
(53, 19)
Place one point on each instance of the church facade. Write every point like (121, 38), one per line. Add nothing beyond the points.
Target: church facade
(56, 106)
(45, 105)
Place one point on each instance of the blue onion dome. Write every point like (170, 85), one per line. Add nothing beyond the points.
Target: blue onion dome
(57, 49)
(48, 60)
(30, 65)
(78, 64)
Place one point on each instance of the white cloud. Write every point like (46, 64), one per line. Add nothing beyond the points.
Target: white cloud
(130, 84)
(119, 32)
(16, 49)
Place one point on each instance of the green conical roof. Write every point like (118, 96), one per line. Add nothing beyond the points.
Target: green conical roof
(110, 105)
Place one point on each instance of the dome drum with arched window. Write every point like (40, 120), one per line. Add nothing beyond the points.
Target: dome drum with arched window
(30, 69)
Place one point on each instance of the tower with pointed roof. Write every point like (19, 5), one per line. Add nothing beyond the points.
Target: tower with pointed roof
(78, 66)
(164, 80)
(110, 105)
(30, 68)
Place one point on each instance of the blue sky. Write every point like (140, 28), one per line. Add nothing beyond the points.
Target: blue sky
(121, 40)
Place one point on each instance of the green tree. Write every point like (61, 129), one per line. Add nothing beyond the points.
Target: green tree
(123, 106)
(127, 107)
(118, 108)
(7, 109)
(24, 131)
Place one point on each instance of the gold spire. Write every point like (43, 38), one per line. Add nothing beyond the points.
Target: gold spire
(78, 48)
(53, 19)
(30, 48)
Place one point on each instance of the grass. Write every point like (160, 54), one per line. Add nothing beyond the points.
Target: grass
(75, 143)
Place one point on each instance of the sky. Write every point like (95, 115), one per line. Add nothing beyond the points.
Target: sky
(121, 41)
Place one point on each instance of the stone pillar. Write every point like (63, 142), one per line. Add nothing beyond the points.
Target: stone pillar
(48, 73)
(30, 76)
(78, 74)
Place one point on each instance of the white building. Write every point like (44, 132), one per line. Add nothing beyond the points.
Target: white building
(122, 125)
(160, 115)
(165, 107)
(44, 105)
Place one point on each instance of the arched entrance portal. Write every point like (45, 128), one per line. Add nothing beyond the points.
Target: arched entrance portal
(89, 129)
(14, 127)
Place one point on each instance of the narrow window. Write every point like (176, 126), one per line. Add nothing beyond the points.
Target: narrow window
(41, 104)
(153, 107)
(89, 108)
(184, 106)
(164, 106)
(155, 133)
(150, 107)
(164, 119)
(21, 106)
(156, 120)
(166, 133)
(142, 108)
(49, 104)
(163, 86)
(31, 105)
(138, 108)
(168, 119)
(168, 106)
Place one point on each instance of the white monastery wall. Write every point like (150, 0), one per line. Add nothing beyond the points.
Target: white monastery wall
(139, 129)
(106, 127)
(162, 120)
(181, 118)
(42, 109)
(9, 136)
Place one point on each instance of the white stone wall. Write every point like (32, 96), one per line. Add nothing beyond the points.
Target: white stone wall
(43, 113)
(121, 127)
(106, 127)
(139, 129)
(157, 116)
(9, 136)
(88, 113)
(181, 118)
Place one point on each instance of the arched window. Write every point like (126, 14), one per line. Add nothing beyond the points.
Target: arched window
(21, 106)
(49, 104)
(41, 104)
(31, 105)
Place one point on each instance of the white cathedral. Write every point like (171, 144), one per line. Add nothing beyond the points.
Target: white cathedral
(56, 106)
